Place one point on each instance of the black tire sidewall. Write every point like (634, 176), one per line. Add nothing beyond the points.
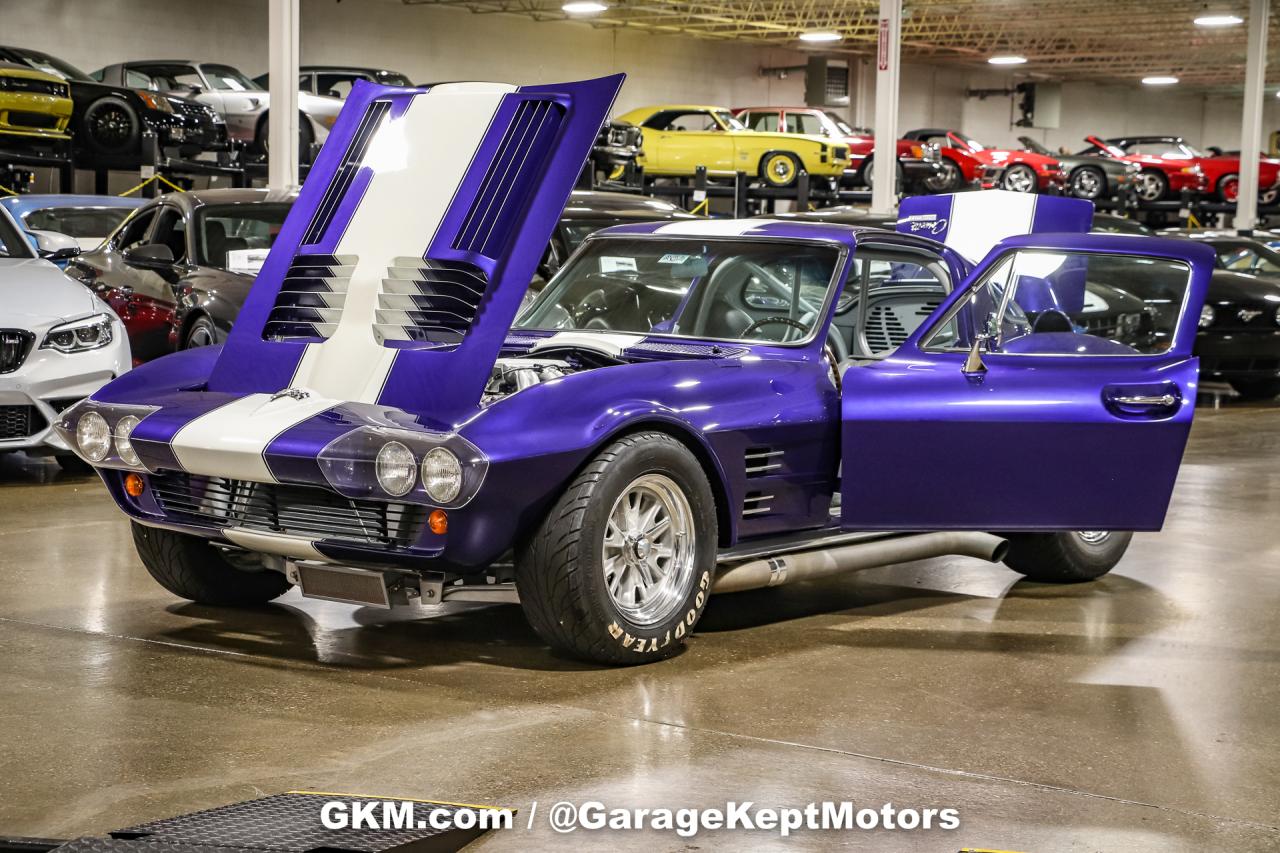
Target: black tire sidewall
(200, 322)
(1064, 557)
(650, 457)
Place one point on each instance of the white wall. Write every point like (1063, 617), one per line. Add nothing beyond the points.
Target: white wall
(447, 44)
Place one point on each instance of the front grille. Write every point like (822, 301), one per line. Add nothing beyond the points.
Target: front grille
(305, 511)
(43, 121)
(20, 421)
(841, 153)
(31, 84)
(14, 346)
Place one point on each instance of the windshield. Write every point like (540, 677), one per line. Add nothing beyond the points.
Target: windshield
(12, 243)
(734, 290)
(727, 119)
(841, 125)
(236, 237)
(966, 141)
(52, 65)
(1248, 257)
(83, 223)
(227, 79)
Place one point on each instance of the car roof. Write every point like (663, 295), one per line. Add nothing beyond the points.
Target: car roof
(368, 69)
(189, 201)
(772, 229)
(584, 204)
(1121, 139)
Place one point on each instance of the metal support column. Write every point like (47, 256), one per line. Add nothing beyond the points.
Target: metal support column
(1255, 78)
(282, 117)
(884, 194)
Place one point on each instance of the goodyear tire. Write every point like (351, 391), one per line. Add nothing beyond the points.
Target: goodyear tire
(620, 569)
(110, 126)
(191, 568)
(779, 168)
(1068, 557)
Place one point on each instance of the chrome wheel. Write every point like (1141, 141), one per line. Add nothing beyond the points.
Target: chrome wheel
(1093, 537)
(1020, 179)
(648, 549)
(947, 178)
(1086, 183)
(1150, 186)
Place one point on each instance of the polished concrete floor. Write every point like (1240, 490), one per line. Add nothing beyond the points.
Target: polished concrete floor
(1141, 712)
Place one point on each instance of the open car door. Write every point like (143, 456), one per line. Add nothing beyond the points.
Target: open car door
(1053, 390)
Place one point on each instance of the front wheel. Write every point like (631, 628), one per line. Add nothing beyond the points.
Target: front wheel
(1067, 557)
(191, 568)
(1087, 183)
(201, 333)
(947, 179)
(1229, 188)
(1019, 178)
(779, 169)
(620, 569)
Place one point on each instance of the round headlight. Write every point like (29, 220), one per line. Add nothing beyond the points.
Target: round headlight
(396, 468)
(93, 436)
(124, 447)
(441, 475)
(1206, 316)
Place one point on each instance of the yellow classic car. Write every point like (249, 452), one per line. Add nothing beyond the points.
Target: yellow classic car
(679, 138)
(34, 106)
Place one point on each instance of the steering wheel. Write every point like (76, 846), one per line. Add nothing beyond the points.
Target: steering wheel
(785, 321)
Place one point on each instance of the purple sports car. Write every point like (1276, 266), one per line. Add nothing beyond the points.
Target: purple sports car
(687, 407)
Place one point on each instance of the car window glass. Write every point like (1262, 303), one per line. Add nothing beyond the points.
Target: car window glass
(83, 223)
(804, 123)
(226, 78)
(135, 230)
(336, 85)
(171, 77)
(886, 298)
(699, 121)
(1246, 259)
(138, 80)
(1065, 303)
(237, 237)
(758, 121)
(12, 242)
(722, 289)
(171, 231)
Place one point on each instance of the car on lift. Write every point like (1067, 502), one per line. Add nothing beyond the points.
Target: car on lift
(108, 121)
(1089, 177)
(176, 270)
(1159, 177)
(965, 161)
(58, 343)
(242, 103)
(89, 219)
(677, 139)
(673, 416)
(1221, 171)
(336, 81)
(917, 163)
(35, 111)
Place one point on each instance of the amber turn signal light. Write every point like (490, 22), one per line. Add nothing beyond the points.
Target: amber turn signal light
(438, 521)
(133, 484)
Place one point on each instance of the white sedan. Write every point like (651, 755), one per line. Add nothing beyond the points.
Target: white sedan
(58, 342)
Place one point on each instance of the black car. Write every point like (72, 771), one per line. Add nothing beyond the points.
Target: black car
(107, 122)
(1087, 176)
(178, 270)
(336, 81)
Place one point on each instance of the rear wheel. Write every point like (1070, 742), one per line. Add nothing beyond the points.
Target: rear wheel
(779, 169)
(191, 568)
(621, 568)
(869, 174)
(1257, 389)
(1019, 178)
(1066, 557)
(1152, 185)
(1088, 183)
(947, 179)
(1229, 188)
(306, 136)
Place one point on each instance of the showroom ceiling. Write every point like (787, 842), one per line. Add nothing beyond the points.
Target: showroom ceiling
(1119, 42)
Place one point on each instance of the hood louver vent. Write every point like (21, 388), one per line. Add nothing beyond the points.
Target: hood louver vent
(429, 301)
(311, 298)
(346, 174)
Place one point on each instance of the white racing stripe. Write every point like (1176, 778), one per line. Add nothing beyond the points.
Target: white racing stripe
(229, 441)
(715, 227)
(608, 343)
(979, 220)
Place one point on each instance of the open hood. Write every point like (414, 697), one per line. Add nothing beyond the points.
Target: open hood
(402, 264)
(973, 223)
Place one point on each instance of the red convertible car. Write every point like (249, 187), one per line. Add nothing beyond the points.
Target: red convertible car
(1221, 172)
(965, 160)
(918, 164)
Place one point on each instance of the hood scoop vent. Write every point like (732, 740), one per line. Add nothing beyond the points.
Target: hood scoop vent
(429, 301)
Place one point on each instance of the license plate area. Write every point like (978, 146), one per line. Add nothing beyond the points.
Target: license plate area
(338, 583)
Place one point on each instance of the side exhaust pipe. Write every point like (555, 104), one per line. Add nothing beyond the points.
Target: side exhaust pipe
(807, 565)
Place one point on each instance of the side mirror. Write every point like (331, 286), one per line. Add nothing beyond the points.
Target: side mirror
(149, 255)
(973, 363)
(54, 245)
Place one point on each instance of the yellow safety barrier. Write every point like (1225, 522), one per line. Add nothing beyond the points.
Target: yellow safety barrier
(161, 178)
(700, 207)
(1192, 222)
(6, 190)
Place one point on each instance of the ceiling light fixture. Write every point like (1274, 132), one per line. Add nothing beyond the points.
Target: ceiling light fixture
(820, 36)
(1010, 59)
(583, 7)
(1159, 80)
(1218, 19)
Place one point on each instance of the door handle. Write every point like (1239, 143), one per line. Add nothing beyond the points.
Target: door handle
(1142, 401)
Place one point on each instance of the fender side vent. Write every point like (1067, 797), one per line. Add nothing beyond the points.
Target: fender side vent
(756, 503)
(762, 461)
